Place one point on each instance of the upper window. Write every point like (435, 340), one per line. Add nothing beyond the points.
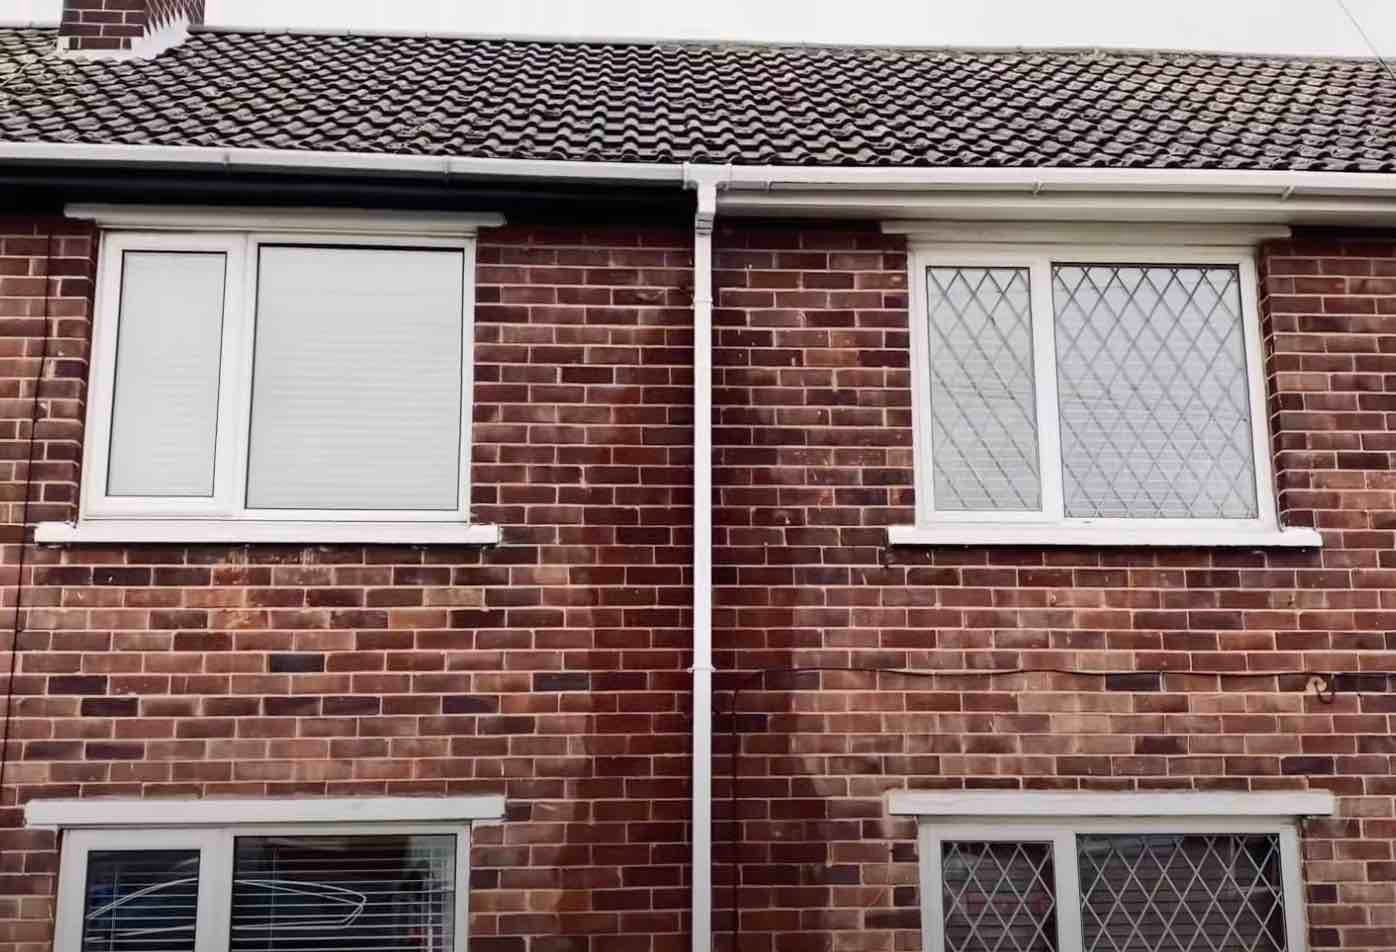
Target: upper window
(265, 378)
(1064, 387)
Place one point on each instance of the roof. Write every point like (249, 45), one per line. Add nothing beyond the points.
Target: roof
(715, 103)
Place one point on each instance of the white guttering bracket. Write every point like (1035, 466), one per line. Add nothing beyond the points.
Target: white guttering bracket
(283, 220)
(97, 813)
(1029, 805)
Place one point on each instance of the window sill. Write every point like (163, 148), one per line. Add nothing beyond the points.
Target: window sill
(189, 531)
(980, 534)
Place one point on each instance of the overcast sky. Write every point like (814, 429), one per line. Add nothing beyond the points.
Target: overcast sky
(1262, 26)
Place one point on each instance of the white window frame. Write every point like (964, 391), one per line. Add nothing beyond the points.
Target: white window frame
(1058, 818)
(212, 826)
(223, 516)
(1049, 525)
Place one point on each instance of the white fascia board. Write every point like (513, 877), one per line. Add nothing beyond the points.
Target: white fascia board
(1108, 203)
(238, 531)
(1037, 180)
(97, 813)
(309, 220)
(754, 180)
(365, 163)
(999, 533)
(1032, 804)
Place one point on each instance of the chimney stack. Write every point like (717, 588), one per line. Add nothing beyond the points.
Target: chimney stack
(125, 29)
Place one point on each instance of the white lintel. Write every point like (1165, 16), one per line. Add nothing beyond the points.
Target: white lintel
(1056, 804)
(98, 813)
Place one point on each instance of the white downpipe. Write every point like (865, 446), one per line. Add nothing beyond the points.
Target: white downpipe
(702, 874)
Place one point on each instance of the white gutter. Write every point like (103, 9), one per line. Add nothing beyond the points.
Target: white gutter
(702, 861)
(736, 178)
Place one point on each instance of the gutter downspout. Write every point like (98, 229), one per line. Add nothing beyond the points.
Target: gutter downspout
(702, 873)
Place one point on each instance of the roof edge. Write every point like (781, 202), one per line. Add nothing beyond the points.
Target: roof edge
(1276, 183)
(747, 43)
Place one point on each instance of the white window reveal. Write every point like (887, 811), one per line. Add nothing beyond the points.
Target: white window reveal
(279, 376)
(367, 875)
(1067, 872)
(1068, 393)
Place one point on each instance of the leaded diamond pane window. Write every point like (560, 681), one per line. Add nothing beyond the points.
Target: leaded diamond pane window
(1151, 378)
(998, 897)
(1111, 885)
(1057, 390)
(1202, 893)
(983, 410)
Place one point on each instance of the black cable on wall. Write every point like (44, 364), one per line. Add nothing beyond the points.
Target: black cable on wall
(24, 543)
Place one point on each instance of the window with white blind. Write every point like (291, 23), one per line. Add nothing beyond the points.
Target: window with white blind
(1069, 393)
(1146, 872)
(288, 385)
(350, 881)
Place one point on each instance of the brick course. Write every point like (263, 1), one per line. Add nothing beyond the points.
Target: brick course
(552, 667)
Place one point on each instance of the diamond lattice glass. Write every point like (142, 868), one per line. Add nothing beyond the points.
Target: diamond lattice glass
(1171, 893)
(998, 897)
(983, 407)
(1152, 385)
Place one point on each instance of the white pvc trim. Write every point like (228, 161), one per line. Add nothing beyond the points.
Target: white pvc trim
(96, 813)
(1115, 532)
(1026, 805)
(1087, 232)
(294, 220)
(191, 531)
(1282, 185)
(702, 802)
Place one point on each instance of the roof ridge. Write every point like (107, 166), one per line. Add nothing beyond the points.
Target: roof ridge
(730, 43)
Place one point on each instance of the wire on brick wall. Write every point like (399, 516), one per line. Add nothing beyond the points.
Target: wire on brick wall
(24, 518)
(1323, 685)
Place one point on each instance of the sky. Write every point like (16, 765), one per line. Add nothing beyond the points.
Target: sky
(1314, 27)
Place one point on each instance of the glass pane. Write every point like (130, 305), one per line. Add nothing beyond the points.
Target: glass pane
(356, 394)
(1155, 408)
(343, 894)
(140, 901)
(1214, 893)
(983, 406)
(998, 897)
(168, 348)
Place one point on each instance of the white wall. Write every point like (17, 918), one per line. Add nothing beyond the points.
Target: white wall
(1262, 26)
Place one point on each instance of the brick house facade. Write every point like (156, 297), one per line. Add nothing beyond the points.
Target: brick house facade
(552, 668)
(495, 701)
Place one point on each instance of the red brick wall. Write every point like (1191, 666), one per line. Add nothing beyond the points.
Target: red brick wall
(814, 457)
(552, 667)
(118, 24)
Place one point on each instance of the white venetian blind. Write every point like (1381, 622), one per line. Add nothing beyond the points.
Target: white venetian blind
(165, 398)
(356, 389)
(343, 894)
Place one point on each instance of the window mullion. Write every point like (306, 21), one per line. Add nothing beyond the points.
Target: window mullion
(214, 929)
(462, 890)
(238, 444)
(1066, 865)
(1045, 371)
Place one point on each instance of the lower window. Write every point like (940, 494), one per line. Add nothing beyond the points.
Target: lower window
(1133, 892)
(1130, 882)
(264, 889)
